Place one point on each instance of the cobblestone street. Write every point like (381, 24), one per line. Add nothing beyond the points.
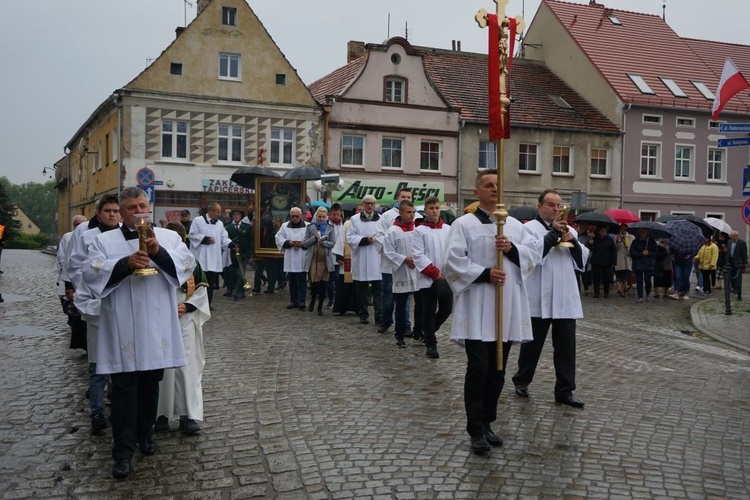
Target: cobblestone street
(301, 406)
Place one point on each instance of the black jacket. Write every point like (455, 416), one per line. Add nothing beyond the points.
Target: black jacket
(643, 262)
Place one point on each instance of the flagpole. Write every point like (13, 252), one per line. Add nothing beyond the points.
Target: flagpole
(502, 52)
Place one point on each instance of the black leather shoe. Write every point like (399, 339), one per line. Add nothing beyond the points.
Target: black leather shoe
(147, 447)
(363, 321)
(522, 392)
(188, 426)
(493, 438)
(292, 306)
(480, 446)
(569, 400)
(121, 470)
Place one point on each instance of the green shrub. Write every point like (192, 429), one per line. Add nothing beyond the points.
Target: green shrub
(28, 241)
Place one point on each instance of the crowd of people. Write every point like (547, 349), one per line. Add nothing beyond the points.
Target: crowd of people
(395, 268)
(623, 260)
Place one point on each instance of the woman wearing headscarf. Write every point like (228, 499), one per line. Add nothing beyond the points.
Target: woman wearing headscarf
(320, 237)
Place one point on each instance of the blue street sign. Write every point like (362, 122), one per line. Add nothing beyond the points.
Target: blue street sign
(157, 183)
(746, 182)
(726, 143)
(145, 176)
(734, 128)
(149, 192)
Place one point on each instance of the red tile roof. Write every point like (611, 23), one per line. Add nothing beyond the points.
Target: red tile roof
(334, 84)
(645, 45)
(713, 54)
(461, 78)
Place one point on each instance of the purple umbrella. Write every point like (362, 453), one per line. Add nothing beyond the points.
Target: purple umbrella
(686, 238)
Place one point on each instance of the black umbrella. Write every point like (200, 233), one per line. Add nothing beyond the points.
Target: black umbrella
(305, 172)
(656, 229)
(598, 219)
(667, 218)
(706, 228)
(524, 212)
(246, 176)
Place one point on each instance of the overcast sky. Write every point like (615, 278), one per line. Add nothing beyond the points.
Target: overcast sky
(61, 58)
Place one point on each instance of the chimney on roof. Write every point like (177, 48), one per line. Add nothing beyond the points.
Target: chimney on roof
(458, 45)
(453, 44)
(354, 50)
(202, 4)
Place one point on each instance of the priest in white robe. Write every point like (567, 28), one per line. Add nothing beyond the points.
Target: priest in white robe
(108, 215)
(139, 330)
(470, 269)
(289, 240)
(363, 228)
(554, 299)
(398, 250)
(208, 239)
(181, 389)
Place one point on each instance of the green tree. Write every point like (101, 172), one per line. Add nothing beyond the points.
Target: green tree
(38, 201)
(6, 211)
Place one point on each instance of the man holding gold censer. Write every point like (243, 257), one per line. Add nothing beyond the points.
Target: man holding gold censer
(554, 297)
(135, 271)
(471, 271)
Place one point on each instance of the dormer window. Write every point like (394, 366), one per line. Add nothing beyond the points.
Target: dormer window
(229, 16)
(395, 90)
(641, 84)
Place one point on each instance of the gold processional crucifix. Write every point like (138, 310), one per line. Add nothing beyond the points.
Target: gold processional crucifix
(500, 213)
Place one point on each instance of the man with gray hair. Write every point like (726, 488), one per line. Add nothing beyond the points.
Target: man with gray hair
(139, 329)
(363, 228)
(289, 242)
(207, 240)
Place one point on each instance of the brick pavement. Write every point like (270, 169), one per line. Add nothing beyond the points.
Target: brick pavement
(299, 406)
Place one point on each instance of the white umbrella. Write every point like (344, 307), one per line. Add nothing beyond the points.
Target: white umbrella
(719, 224)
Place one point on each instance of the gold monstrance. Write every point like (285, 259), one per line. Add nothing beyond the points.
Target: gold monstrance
(142, 225)
(500, 214)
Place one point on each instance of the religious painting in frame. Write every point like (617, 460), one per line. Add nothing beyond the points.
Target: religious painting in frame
(274, 198)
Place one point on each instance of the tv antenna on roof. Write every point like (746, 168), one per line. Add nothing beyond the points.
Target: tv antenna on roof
(185, 9)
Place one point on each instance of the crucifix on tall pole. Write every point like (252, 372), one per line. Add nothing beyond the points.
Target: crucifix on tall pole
(502, 37)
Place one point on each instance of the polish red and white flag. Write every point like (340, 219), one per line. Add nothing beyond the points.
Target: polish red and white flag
(732, 82)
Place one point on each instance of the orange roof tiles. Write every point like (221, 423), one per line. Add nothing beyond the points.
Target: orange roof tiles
(645, 45)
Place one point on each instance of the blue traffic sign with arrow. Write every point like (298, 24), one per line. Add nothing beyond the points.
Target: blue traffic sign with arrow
(726, 143)
(734, 128)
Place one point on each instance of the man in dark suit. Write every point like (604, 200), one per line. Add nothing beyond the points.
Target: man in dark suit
(737, 261)
(241, 234)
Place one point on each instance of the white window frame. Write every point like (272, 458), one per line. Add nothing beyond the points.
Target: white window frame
(230, 58)
(391, 91)
(561, 149)
(644, 116)
(714, 124)
(528, 155)
(690, 162)
(230, 136)
(282, 146)
(641, 84)
(430, 156)
(657, 213)
(673, 87)
(487, 155)
(722, 165)
(400, 149)
(606, 173)
(656, 157)
(352, 148)
(229, 16)
(684, 118)
(113, 147)
(174, 135)
(703, 89)
(717, 215)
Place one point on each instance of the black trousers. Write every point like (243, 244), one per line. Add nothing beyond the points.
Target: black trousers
(564, 354)
(361, 288)
(437, 306)
(135, 396)
(602, 275)
(483, 384)
(213, 282)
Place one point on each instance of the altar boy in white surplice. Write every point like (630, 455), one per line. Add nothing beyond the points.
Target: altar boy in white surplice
(139, 331)
(470, 269)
